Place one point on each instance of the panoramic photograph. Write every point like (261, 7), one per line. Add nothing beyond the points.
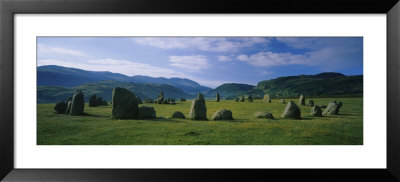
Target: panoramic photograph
(199, 90)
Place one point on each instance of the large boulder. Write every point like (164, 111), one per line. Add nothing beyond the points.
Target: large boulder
(217, 97)
(310, 103)
(60, 107)
(68, 109)
(178, 114)
(165, 101)
(160, 98)
(222, 114)
(78, 104)
(250, 98)
(267, 98)
(242, 98)
(172, 101)
(332, 108)
(183, 100)
(124, 104)
(292, 111)
(302, 100)
(316, 111)
(236, 99)
(263, 114)
(93, 101)
(282, 101)
(147, 112)
(198, 110)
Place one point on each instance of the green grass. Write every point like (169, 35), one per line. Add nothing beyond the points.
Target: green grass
(97, 127)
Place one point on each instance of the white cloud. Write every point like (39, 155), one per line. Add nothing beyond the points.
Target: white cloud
(301, 42)
(46, 51)
(273, 59)
(189, 63)
(224, 58)
(202, 43)
(116, 66)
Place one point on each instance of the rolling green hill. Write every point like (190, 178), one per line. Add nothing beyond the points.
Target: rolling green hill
(52, 75)
(324, 84)
(51, 94)
(229, 90)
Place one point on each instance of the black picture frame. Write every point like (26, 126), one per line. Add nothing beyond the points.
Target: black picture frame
(8, 8)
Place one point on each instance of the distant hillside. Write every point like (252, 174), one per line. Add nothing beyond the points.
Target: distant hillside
(229, 90)
(51, 94)
(323, 84)
(71, 77)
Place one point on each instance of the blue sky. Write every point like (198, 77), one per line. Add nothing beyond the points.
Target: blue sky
(211, 61)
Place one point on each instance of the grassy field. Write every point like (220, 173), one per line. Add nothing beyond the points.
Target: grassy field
(97, 128)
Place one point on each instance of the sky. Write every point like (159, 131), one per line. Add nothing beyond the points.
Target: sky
(210, 61)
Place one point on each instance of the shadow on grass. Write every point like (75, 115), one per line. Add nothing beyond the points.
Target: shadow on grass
(94, 115)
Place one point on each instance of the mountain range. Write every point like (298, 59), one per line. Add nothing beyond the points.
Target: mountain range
(56, 83)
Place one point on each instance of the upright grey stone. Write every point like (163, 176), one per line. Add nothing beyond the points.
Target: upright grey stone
(316, 111)
(282, 101)
(198, 110)
(242, 98)
(236, 99)
(310, 103)
(160, 98)
(250, 98)
(292, 111)
(217, 98)
(78, 104)
(222, 114)
(267, 98)
(302, 100)
(124, 104)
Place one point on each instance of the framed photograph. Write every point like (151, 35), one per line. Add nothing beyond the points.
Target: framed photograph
(130, 90)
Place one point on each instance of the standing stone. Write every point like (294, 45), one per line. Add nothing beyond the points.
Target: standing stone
(242, 98)
(236, 99)
(99, 101)
(160, 98)
(172, 101)
(60, 107)
(105, 103)
(310, 103)
(250, 98)
(147, 112)
(263, 114)
(217, 97)
(267, 98)
(93, 101)
(78, 104)
(178, 114)
(282, 101)
(316, 111)
(198, 110)
(302, 100)
(124, 104)
(183, 100)
(222, 114)
(68, 110)
(332, 108)
(291, 111)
